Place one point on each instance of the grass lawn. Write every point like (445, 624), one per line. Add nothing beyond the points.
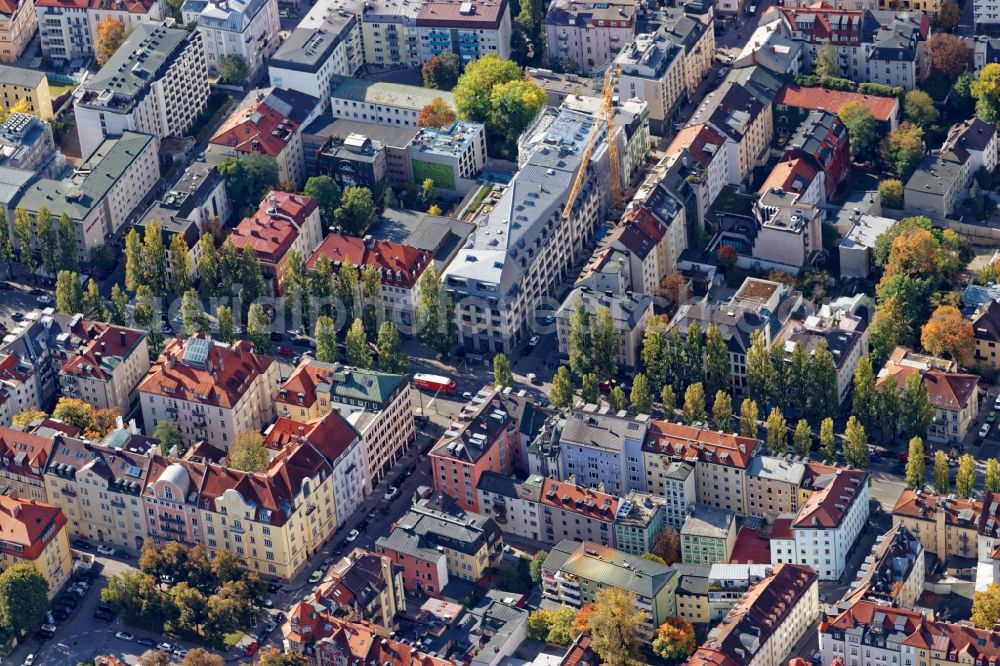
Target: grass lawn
(232, 639)
(484, 191)
(58, 89)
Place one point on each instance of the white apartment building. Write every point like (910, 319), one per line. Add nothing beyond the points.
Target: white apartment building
(68, 30)
(678, 481)
(376, 404)
(247, 29)
(652, 69)
(865, 633)
(524, 248)
(18, 23)
(470, 30)
(382, 103)
(212, 390)
(826, 525)
(326, 44)
(156, 83)
(766, 623)
(104, 193)
(708, 153)
(106, 369)
(789, 230)
(591, 33)
(630, 313)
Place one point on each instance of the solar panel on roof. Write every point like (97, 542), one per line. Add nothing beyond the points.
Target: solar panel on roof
(196, 352)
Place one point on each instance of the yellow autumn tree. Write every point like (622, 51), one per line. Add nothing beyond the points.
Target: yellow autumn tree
(110, 35)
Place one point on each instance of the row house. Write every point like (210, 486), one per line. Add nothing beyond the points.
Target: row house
(766, 623)
(894, 572)
(437, 540)
(69, 29)
(26, 87)
(376, 404)
(590, 33)
(155, 83)
(708, 535)
(364, 587)
(399, 266)
(720, 461)
(744, 118)
(815, 160)
(794, 103)
(703, 149)
(23, 458)
(598, 447)
(34, 533)
(630, 313)
(867, 632)
(653, 69)
(17, 28)
(283, 222)
(823, 531)
(576, 571)
(947, 526)
(789, 230)
(246, 29)
(986, 334)
(261, 129)
(953, 395)
(213, 391)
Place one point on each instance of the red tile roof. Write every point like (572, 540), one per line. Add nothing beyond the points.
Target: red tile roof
(256, 129)
(28, 524)
(980, 646)
(132, 6)
(584, 501)
(331, 434)
(227, 374)
(794, 175)
(827, 506)
(303, 381)
(703, 142)
(11, 369)
(882, 108)
(687, 442)
(924, 506)
(782, 529)
(101, 341)
(24, 454)
(865, 613)
(399, 264)
(945, 390)
(272, 230)
(751, 547)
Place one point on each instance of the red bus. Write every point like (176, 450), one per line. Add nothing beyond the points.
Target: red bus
(435, 383)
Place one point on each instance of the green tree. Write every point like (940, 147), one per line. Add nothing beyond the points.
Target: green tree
(694, 404)
(326, 340)
(553, 625)
(889, 329)
(146, 316)
(208, 267)
(513, 106)
(862, 129)
(134, 272)
(373, 313)
(919, 109)
(474, 88)
(827, 440)
(617, 399)
(802, 438)
(248, 453)
(986, 91)
(74, 412)
(864, 404)
(502, 374)
(69, 293)
(590, 389)
(668, 401)
(903, 149)
(259, 328)
(777, 432)
(229, 268)
(356, 211)
(992, 482)
(427, 192)
(605, 342)
(193, 313)
(759, 370)
(916, 411)
(295, 280)
(615, 626)
(326, 192)
(722, 412)
(749, 418)
(654, 348)
(233, 69)
(856, 451)
(825, 63)
(391, 357)
(891, 192)
(800, 383)
(227, 326)
(916, 468)
(67, 243)
(48, 241)
(561, 395)
(275, 657)
(824, 397)
(248, 179)
(23, 598)
(24, 232)
(356, 342)
(169, 434)
(942, 474)
(694, 354)
(154, 258)
(441, 71)
(93, 303)
(180, 265)
(965, 478)
(6, 244)
(581, 346)
(348, 280)
(251, 276)
(717, 372)
(435, 313)
(640, 397)
(889, 410)
(118, 306)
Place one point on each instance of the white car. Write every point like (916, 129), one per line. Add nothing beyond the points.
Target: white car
(467, 395)
(996, 403)
(124, 636)
(352, 535)
(985, 430)
(180, 652)
(105, 550)
(165, 647)
(29, 660)
(44, 300)
(533, 340)
(391, 493)
(550, 317)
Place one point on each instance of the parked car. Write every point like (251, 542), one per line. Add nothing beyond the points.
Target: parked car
(985, 430)
(284, 351)
(352, 535)
(273, 587)
(124, 636)
(17, 316)
(316, 576)
(104, 615)
(996, 403)
(165, 647)
(391, 493)
(372, 513)
(36, 292)
(44, 300)
(29, 660)
(105, 550)
(145, 642)
(81, 544)
(180, 652)
(123, 554)
(251, 649)
(362, 525)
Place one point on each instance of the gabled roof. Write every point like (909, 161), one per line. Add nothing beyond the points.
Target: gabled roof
(986, 322)
(689, 443)
(398, 264)
(882, 108)
(273, 228)
(827, 506)
(256, 129)
(924, 506)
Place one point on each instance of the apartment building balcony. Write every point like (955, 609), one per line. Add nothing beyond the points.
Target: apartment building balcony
(118, 502)
(168, 519)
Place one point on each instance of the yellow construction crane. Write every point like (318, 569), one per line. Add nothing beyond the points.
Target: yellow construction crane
(605, 112)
